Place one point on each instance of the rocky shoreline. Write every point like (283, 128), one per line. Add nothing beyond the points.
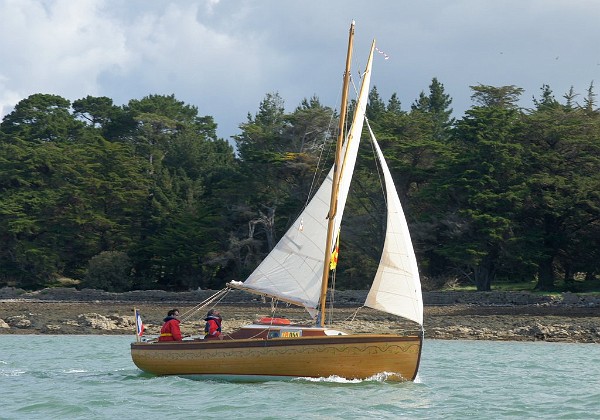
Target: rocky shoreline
(506, 316)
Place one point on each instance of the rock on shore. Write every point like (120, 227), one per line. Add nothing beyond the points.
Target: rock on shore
(448, 315)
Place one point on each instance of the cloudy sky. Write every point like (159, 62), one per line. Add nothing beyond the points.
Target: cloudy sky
(224, 56)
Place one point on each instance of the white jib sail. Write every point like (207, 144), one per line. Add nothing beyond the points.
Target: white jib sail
(396, 288)
(293, 269)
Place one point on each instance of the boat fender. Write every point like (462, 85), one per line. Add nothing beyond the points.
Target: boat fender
(273, 321)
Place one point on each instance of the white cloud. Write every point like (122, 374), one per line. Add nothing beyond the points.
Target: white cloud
(59, 48)
(224, 56)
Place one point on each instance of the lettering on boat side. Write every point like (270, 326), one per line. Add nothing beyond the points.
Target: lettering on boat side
(288, 333)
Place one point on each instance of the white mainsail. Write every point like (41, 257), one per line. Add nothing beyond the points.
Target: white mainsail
(396, 288)
(293, 269)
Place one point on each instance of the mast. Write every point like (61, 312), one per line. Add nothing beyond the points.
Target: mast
(336, 177)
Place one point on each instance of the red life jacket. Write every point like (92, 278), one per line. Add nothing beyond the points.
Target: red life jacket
(170, 330)
(212, 329)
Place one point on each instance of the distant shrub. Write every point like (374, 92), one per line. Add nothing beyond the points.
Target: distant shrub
(61, 281)
(430, 284)
(109, 271)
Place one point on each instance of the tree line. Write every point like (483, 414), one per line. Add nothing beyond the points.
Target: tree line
(146, 196)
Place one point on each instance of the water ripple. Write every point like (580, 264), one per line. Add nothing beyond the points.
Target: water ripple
(458, 379)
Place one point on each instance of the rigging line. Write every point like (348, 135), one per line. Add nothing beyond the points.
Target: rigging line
(376, 160)
(332, 295)
(321, 158)
(258, 333)
(355, 313)
(329, 128)
(218, 295)
(202, 304)
(186, 315)
(274, 303)
(348, 120)
(223, 297)
(360, 76)
(313, 183)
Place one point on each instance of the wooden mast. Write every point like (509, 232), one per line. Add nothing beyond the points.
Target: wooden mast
(336, 177)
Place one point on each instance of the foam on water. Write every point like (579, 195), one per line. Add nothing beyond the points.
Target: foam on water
(332, 379)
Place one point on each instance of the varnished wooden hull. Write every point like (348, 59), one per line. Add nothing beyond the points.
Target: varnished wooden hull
(348, 356)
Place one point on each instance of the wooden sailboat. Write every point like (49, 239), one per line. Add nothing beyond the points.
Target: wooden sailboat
(296, 271)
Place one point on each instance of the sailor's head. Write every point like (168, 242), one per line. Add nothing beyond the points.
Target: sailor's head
(173, 312)
(213, 313)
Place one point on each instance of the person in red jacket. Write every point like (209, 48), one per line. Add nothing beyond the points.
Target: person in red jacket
(170, 331)
(212, 329)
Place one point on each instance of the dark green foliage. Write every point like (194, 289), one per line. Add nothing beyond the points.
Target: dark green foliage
(66, 202)
(478, 184)
(67, 193)
(436, 108)
(41, 118)
(282, 163)
(110, 271)
(113, 122)
(560, 205)
(146, 196)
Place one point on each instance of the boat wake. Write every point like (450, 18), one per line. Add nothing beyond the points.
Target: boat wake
(330, 379)
(378, 377)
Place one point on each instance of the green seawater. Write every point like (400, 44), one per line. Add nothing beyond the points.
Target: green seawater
(92, 377)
